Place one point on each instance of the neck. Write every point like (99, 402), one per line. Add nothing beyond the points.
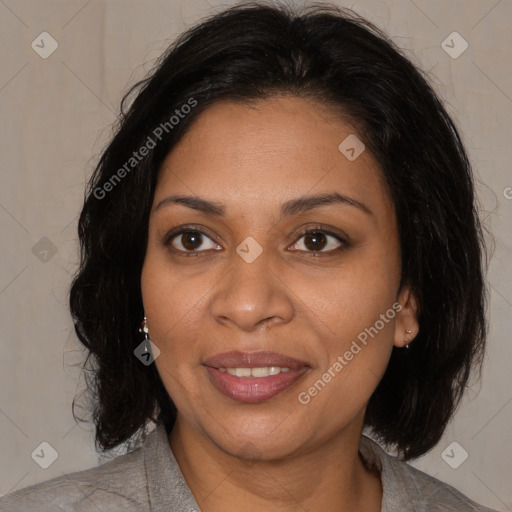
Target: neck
(332, 476)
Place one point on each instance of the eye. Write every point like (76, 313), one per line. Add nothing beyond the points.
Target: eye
(316, 240)
(189, 240)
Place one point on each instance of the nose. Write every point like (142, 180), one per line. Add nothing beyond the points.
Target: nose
(252, 295)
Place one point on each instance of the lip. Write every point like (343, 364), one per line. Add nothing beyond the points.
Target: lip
(237, 359)
(253, 389)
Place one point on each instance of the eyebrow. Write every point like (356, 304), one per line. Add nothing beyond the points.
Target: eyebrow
(291, 207)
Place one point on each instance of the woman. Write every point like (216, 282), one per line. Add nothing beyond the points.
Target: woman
(289, 210)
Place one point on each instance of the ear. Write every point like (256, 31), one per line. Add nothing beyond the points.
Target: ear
(406, 318)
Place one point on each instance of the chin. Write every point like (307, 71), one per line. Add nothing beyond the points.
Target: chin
(257, 437)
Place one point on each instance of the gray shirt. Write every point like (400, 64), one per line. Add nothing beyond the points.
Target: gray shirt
(149, 479)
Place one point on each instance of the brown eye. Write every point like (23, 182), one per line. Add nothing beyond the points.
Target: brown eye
(190, 241)
(315, 241)
(319, 241)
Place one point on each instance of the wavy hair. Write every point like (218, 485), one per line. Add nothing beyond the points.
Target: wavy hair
(251, 52)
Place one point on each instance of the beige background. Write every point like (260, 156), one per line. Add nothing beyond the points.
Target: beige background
(56, 116)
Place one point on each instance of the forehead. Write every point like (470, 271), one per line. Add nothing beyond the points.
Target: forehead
(280, 147)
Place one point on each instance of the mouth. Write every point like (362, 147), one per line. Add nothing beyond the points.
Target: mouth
(253, 377)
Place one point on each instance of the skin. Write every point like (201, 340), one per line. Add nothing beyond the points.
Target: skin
(278, 454)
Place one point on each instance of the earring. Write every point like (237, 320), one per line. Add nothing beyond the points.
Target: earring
(147, 351)
(406, 340)
(145, 330)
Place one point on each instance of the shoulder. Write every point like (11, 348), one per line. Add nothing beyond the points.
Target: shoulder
(406, 486)
(119, 484)
(433, 494)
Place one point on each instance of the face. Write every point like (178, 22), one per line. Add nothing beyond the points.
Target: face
(278, 281)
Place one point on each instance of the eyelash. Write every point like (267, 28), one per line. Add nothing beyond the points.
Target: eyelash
(174, 233)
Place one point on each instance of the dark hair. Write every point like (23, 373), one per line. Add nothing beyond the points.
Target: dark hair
(250, 52)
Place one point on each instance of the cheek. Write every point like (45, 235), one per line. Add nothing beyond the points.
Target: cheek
(356, 293)
(173, 328)
(357, 306)
(174, 305)
(165, 306)
(169, 297)
(357, 359)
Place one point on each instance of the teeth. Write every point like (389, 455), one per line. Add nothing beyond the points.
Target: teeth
(243, 372)
(263, 371)
(260, 372)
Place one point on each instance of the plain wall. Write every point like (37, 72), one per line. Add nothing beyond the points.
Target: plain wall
(56, 117)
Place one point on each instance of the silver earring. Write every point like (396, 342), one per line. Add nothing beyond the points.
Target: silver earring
(147, 351)
(145, 330)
